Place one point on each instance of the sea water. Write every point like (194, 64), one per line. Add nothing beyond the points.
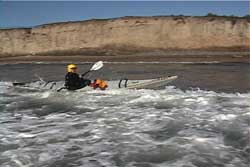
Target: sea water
(200, 120)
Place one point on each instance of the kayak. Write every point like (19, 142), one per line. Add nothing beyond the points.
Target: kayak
(136, 84)
(150, 83)
(124, 83)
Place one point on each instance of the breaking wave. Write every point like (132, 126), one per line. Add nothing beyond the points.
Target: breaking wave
(119, 127)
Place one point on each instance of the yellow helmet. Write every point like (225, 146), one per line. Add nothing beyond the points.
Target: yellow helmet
(71, 67)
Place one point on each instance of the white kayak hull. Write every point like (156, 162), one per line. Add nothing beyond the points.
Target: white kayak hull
(123, 83)
(136, 84)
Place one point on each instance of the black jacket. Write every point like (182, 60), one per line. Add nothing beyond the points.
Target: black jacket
(73, 81)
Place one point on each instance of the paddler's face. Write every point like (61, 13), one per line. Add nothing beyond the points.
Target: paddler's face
(73, 69)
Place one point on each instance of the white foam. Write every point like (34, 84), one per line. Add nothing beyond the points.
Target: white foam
(45, 94)
(18, 162)
(44, 157)
(247, 113)
(202, 140)
(150, 118)
(118, 62)
(26, 135)
(224, 117)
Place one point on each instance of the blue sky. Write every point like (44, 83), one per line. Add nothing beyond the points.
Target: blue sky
(32, 13)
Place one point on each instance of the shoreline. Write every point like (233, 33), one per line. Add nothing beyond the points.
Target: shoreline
(139, 58)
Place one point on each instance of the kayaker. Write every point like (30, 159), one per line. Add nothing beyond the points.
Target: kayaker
(72, 79)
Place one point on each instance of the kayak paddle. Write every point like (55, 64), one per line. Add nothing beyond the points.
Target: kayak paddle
(98, 65)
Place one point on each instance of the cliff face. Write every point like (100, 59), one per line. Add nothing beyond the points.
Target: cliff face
(127, 34)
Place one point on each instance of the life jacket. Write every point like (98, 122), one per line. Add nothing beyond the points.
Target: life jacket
(98, 83)
(73, 81)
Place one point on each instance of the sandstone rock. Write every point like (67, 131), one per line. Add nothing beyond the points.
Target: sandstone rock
(127, 35)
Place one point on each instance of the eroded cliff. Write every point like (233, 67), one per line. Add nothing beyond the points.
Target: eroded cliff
(127, 35)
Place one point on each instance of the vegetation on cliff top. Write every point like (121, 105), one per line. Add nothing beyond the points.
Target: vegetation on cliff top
(231, 16)
(210, 15)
